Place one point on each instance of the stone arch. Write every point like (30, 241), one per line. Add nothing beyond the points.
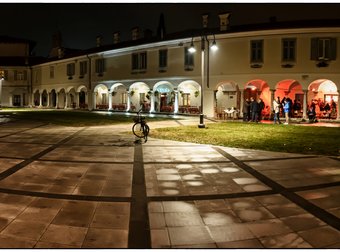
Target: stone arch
(164, 96)
(119, 96)
(190, 97)
(138, 92)
(100, 96)
(226, 96)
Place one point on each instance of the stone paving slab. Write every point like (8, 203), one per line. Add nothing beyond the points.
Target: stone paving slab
(70, 187)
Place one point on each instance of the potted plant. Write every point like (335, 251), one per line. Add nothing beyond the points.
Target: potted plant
(132, 92)
(197, 93)
(156, 93)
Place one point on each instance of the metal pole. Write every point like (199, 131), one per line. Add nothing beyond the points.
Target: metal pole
(201, 124)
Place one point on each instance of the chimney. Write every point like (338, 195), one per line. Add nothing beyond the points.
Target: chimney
(224, 21)
(99, 41)
(116, 37)
(135, 33)
(205, 20)
(60, 53)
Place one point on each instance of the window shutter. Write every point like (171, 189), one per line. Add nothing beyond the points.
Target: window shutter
(333, 49)
(314, 49)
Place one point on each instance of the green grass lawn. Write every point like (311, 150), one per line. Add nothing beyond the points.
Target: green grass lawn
(282, 138)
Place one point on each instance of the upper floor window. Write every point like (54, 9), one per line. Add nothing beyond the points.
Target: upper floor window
(163, 60)
(100, 66)
(139, 62)
(51, 72)
(70, 70)
(188, 59)
(289, 49)
(256, 51)
(20, 75)
(323, 49)
(82, 68)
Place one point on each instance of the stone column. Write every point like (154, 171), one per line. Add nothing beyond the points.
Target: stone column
(56, 100)
(40, 100)
(176, 102)
(66, 100)
(152, 101)
(304, 113)
(110, 99)
(338, 111)
(94, 100)
(77, 100)
(272, 98)
(128, 102)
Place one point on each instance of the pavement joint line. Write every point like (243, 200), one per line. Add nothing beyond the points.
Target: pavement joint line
(318, 212)
(139, 228)
(313, 187)
(35, 157)
(211, 196)
(21, 131)
(66, 196)
(178, 122)
(84, 161)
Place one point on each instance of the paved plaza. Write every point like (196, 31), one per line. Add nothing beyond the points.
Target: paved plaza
(94, 187)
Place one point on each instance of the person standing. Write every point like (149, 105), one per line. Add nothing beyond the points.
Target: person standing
(286, 110)
(276, 108)
(246, 110)
(261, 107)
(254, 109)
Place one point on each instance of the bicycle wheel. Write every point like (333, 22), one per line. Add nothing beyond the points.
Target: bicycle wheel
(138, 130)
(146, 132)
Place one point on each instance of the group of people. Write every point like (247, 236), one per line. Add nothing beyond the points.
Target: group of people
(318, 107)
(252, 110)
(286, 106)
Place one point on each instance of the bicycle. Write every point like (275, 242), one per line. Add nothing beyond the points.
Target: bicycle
(140, 129)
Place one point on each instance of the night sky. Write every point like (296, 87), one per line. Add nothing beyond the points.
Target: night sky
(80, 23)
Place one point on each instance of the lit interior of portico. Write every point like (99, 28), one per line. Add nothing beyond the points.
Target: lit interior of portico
(258, 89)
(119, 97)
(189, 97)
(101, 97)
(164, 97)
(289, 88)
(226, 96)
(138, 96)
(82, 101)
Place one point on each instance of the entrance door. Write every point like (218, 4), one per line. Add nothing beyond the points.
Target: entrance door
(16, 100)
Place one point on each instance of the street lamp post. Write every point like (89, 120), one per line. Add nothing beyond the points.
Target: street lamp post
(204, 39)
(1, 80)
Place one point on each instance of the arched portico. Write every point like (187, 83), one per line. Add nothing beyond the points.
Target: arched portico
(324, 95)
(100, 97)
(138, 96)
(164, 97)
(190, 97)
(256, 89)
(227, 96)
(118, 97)
(82, 97)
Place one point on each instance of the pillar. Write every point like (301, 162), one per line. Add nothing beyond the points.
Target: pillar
(40, 100)
(152, 101)
(66, 100)
(176, 102)
(77, 100)
(272, 98)
(48, 100)
(94, 100)
(110, 99)
(338, 110)
(304, 113)
(56, 99)
(128, 102)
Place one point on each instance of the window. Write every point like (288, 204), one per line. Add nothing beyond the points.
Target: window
(100, 66)
(139, 62)
(20, 75)
(124, 98)
(141, 97)
(323, 49)
(82, 68)
(186, 99)
(188, 60)
(288, 49)
(51, 72)
(256, 50)
(70, 70)
(163, 59)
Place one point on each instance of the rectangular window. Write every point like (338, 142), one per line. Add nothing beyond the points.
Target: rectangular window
(20, 76)
(256, 51)
(139, 62)
(289, 49)
(323, 49)
(82, 68)
(70, 70)
(100, 66)
(51, 72)
(124, 98)
(188, 60)
(163, 59)
(186, 99)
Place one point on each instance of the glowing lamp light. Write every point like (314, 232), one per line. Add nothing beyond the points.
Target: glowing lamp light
(214, 47)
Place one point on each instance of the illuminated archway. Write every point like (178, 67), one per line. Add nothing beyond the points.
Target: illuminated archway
(119, 97)
(227, 96)
(189, 97)
(101, 97)
(164, 97)
(138, 93)
(257, 89)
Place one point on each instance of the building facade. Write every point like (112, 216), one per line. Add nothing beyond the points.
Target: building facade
(162, 76)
